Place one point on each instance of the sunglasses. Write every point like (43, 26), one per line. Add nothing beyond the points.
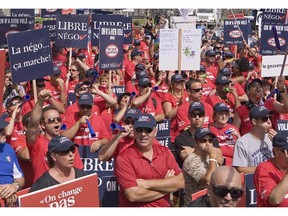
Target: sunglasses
(53, 119)
(146, 130)
(197, 90)
(14, 103)
(85, 106)
(62, 153)
(205, 140)
(265, 119)
(83, 89)
(145, 86)
(127, 122)
(73, 70)
(222, 191)
(194, 115)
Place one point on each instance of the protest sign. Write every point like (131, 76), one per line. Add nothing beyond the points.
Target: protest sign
(282, 125)
(72, 31)
(188, 22)
(113, 20)
(127, 30)
(111, 47)
(80, 192)
(251, 195)
(272, 65)
(232, 35)
(2, 74)
(22, 12)
(268, 45)
(184, 49)
(104, 170)
(51, 25)
(274, 15)
(118, 90)
(11, 25)
(50, 13)
(30, 55)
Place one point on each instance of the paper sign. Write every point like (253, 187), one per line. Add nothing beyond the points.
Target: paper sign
(271, 66)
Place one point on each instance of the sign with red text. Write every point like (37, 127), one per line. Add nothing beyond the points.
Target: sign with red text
(81, 192)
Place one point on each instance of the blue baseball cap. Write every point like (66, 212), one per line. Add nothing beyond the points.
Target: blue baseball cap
(177, 78)
(85, 99)
(60, 144)
(220, 107)
(259, 112)
(145, 121)
(202, 132)
(280, 140)
(196, 105)
(221, 80)
(133, 113)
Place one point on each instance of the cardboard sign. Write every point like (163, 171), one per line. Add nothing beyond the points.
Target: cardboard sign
(271, 66)
(232, 35)
(268, 45)
(188, 22)
(81, 192)
(30, 55)
(72, 31)
(111, 47)
(274, 15)
(9, 25)
(51, 25)
(169, 49)
(50, 13)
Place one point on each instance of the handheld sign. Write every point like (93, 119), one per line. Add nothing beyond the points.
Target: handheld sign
(50, 13)
(111, 46)
(11, 25)
(72, 31)
(30, 55)
(81, 192)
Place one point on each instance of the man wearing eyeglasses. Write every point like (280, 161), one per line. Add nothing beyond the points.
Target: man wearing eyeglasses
(49, 120)
(77, 127)
(224, 190)
(211, 65)
(199, 165)
(207, 84)
(194, 90)
(254, 147)
(146, 172)
(271, 178)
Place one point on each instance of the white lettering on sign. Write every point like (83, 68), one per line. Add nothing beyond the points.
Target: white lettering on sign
(163, 126)
(77, 26)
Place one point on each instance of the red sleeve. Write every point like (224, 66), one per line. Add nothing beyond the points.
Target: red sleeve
(182, 116)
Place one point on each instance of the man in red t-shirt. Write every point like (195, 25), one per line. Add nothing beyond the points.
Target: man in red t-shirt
(136, 58)
(146, 172)
(49, 120)
(78, 125)
(271, 178)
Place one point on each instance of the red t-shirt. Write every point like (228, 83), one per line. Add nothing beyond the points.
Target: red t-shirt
(148, 107)
(83, 136)
(211, 70)
(214, 99)
(174, 126)
(207, 87)
(129, 71)
(226, 141)
(131, 165)
(243, 113)
(182, 117)
(132, 86)
(266, 178)
(38, 151)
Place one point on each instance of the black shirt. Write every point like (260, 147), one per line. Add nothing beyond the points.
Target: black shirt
(202, 201)
(185, 138)
(46, 180)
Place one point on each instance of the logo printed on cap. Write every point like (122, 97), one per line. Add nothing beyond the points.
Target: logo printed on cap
(143, 119)
(63, 139)
(261, 108)
(83, 97)
(196, 104)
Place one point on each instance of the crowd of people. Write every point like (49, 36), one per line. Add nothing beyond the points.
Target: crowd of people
(223, 123)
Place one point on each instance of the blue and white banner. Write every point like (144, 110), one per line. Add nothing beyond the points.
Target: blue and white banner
(30, 55)
(232, 35)
(274, 15)
(51, 25)
(268, 45)
(282, 125)
(111, 47)
(11, 25)
(72, 31)
(118, 90)
(50, 13)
